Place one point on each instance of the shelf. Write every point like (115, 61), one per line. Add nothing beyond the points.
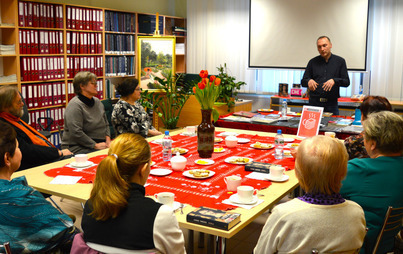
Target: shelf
(7, 27)
(8, 83)
(83, 31)
(47, 107)
(40, 28)
(39, 55)
(14, 55)
(42, 81)
(125, 76)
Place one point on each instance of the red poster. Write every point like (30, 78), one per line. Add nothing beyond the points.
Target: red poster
(310, 121)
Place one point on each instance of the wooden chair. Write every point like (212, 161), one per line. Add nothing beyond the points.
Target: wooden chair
(6, 247)
(391, 224)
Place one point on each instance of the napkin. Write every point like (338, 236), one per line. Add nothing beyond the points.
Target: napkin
(228, 202)
(258, 176)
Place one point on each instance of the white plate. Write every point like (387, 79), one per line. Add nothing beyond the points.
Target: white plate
(227, 133)
(292, 145)
(288, 140)
(188, 174)
(160, 172)
(271, 146)
(157, 141)
(218, 140)
(283, 179)
(189, 134)
(219, 149)
(243, 140)
(81, 165)
(204, 162)
(183, 150)
(235, 199)
(229, 159)
(287, 154)
(265, 110)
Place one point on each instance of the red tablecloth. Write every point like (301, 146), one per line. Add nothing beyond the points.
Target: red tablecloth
(208, 192)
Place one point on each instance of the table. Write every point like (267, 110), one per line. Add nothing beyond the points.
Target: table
(81, 192)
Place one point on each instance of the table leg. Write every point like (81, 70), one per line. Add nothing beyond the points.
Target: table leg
(221, 245)
(190, 242)
(201, 240)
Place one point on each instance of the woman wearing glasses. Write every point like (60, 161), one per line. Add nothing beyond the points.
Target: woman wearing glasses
(128, 115)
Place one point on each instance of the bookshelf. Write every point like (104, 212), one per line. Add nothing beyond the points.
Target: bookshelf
(54, 41)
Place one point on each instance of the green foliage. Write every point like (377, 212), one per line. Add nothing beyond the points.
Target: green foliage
(229, 88)
(169, 103)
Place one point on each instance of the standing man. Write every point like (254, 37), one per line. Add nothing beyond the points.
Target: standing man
(324, 75)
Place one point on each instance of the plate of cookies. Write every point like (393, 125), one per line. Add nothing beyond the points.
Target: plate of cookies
(180, 150)
(238, 160)
(262, 146)
(198, 173)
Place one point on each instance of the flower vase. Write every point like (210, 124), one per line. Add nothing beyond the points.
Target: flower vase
(205, 135)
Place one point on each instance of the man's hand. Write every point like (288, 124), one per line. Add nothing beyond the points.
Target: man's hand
(65, 152)
(312, 85)
(327, 86)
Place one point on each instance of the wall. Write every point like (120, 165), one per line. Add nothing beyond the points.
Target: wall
(164, 7)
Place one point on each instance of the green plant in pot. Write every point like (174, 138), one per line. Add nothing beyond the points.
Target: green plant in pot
(229, 88)
(169, 100)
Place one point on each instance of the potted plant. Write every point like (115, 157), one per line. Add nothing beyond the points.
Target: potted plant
(169, 102)
(229, 88)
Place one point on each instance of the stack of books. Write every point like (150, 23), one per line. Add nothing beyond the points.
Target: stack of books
(7, 49)
(8, 79)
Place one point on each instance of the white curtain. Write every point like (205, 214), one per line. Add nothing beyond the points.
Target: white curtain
(218, 33)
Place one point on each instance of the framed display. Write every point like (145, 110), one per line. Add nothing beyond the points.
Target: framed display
(156, 59)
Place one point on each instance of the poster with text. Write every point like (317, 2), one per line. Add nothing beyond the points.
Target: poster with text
(310, 121)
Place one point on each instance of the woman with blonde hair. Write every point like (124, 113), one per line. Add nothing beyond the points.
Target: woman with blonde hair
(376, 182)
(321, 219)
(118, 217)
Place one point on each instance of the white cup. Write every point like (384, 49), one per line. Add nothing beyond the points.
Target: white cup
(330, 134)
(231, 141)
(276, 172)
(232, 182)
(80, 158)
(191, 130)
(166, 198)
(245, 193)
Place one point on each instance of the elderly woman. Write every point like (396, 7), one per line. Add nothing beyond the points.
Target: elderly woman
(355, 143)
(117, 206)
(86, 127)
(128, 115)
(321, 219)
(376, 182)
(27, 220)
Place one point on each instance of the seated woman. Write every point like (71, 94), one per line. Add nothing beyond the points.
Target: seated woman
(376, 182)
(86, 128)
(355, 143)
(321, 219)
(27, 220)
(118, 217)
(128, 115)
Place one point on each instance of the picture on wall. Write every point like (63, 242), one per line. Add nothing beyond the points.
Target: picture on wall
(156, 59)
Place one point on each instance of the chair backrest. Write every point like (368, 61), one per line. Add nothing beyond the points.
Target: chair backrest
(108, 106)
(6, 247)
(391, 224)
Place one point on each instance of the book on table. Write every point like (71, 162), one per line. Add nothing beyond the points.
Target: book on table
(213, 218)
(261, 167)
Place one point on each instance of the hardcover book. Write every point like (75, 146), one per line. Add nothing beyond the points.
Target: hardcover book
(257, 166)
(213, 218)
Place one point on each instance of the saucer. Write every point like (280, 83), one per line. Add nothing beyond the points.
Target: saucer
(243, 140)
(283, 179)
(228, 133)
(160, 172)
(81, 165)
(234, 199)
(289, 140)
(204, 162)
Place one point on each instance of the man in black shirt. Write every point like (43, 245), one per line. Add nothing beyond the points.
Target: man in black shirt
(324, 75)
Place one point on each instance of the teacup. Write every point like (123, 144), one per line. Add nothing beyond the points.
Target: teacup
(246, 193)
(80, 159)
(231, 141)
(166, 198)
(190, 130)
(276, 172)
(232, 182)
(330, 134)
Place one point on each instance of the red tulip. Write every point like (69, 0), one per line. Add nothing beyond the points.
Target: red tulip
(194, 89)
(212, 78)
(201, 85)
(217, 81)
(203, 73)
(204, 81)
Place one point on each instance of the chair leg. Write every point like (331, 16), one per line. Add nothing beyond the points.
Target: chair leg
(57, 206)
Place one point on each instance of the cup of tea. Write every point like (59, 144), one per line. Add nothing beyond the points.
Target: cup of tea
(166, 198)
(276, 172)
(231, 141)
(246, 193)
(232, 182)
(80, 159)
(330, 134)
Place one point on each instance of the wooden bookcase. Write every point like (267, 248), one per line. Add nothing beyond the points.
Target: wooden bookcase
(48, 95)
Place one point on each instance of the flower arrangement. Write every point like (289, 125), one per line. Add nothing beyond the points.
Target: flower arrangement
(207, 92)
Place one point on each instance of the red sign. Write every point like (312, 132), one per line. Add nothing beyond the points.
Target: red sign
(310, 121)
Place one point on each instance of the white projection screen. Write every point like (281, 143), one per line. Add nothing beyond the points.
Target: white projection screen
(283, 33)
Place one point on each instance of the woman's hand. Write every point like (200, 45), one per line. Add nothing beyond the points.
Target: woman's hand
(108, 141)
(154, 133)
(100, 146)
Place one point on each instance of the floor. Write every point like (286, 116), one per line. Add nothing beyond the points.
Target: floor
(241, 243)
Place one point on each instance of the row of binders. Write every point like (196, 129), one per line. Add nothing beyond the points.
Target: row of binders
(32, 14)
(120, 66)
(44, 94)
(92, 64)
(71, 94)
(120, 22)
(83, 43)
(84, 18)
(55, 113)
(119, 44)
(41, 42)
(42, 68)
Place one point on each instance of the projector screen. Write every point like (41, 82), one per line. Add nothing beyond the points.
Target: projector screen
(283, 33)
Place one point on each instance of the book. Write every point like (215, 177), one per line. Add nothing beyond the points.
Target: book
(244, 114)
(257, 166)
(283, 89)
(213, 218)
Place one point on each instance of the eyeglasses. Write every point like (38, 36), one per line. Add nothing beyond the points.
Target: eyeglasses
(139, 89)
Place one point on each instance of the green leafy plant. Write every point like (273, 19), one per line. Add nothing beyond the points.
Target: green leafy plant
(229, 88)
(169, 103)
